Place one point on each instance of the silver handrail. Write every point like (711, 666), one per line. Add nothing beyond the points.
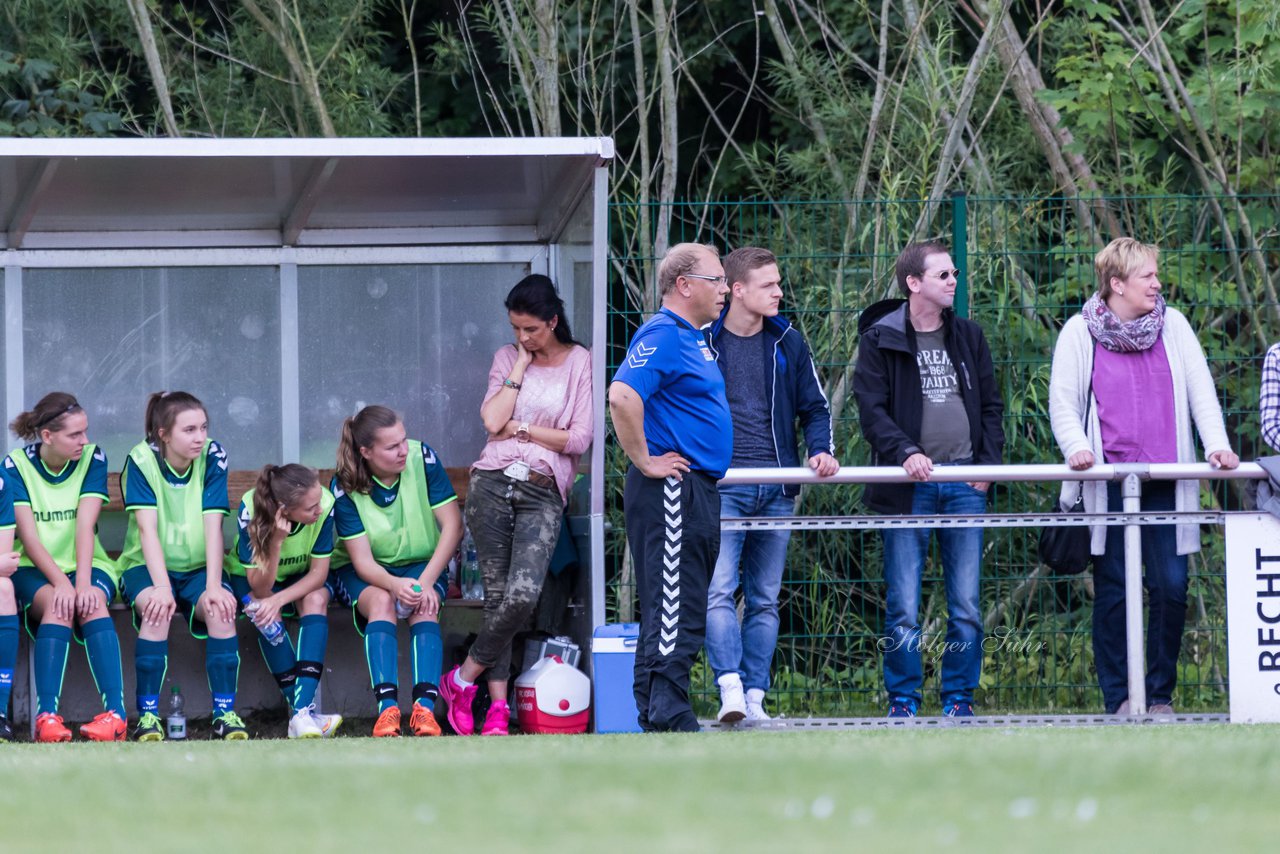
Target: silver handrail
(1002, 473)
(1130, 476)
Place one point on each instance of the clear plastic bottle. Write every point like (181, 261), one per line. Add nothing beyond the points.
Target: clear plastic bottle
(469, 574)
(402, 610)
(273, 632)
(176, 722)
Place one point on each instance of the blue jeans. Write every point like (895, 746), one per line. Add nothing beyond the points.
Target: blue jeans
(1165, 578)
(747, 651)
(905, 552)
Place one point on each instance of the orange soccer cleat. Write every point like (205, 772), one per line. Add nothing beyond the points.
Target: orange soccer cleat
(388, 723)
(50, 728)
(107, 726)
(422, 722)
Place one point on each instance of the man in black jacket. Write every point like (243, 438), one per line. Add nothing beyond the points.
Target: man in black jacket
(927, 396)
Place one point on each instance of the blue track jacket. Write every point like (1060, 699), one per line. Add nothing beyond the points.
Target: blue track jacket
(795, 392)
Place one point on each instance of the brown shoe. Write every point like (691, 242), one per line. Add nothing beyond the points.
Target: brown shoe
(1161, 710)
(1123, 711)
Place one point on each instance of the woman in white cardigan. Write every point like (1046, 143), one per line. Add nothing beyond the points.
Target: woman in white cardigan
(1129, 378)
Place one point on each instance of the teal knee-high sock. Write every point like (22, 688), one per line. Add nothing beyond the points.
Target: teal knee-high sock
(282, 663)
(380, 650)
(8, 658)
(428, 653)
(313, 637)
(222, 663)
(52, 642)
(150, 660)
(103, 648)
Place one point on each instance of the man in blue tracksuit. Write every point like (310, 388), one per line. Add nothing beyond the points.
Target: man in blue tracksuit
(770, 381)
(672, 420)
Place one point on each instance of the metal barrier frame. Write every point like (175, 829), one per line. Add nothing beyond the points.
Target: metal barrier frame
(1129, 475)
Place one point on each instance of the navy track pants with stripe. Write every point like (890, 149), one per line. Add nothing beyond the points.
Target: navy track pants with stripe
(673, 528)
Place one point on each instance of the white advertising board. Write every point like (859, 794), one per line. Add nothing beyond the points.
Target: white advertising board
(1253, 617)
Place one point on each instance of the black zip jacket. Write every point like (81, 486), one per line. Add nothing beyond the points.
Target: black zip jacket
(886, 384)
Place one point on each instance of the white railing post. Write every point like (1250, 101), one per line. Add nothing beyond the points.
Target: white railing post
(1131, 488)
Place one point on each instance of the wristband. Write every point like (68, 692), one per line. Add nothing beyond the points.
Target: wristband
(510, 383)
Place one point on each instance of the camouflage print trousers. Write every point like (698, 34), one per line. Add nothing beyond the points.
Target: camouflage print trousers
(515, 525)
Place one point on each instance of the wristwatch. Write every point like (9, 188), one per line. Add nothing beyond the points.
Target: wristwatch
(522, 432)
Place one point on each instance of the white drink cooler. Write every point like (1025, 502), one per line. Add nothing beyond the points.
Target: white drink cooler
(553, 697)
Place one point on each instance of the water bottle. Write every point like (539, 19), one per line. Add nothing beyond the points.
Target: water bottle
(273, 632)
(469, 575)
(402, 610)
(176, 723)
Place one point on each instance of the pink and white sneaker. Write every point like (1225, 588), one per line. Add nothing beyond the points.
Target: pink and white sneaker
(460, 701)
(497, 719)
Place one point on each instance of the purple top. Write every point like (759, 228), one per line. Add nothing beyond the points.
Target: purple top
(557, 397)
(1135, 405)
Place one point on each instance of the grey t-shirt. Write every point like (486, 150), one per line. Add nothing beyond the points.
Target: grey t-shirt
(944, 428)
(745, 373)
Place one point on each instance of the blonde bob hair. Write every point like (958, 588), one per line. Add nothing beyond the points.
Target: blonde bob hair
(1121, 259)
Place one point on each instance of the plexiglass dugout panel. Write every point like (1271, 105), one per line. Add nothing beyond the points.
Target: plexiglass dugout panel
(419, 339)
(113, 336)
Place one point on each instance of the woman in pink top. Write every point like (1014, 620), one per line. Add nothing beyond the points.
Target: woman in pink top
(538, 415)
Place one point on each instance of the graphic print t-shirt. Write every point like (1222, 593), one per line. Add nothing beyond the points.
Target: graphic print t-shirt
(944, 428)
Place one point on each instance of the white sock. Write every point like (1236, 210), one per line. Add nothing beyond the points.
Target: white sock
(459, 681)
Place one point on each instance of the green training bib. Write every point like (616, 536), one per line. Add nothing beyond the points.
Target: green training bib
(405, 531)
(179, 512)
(54, 506)
(295, 551)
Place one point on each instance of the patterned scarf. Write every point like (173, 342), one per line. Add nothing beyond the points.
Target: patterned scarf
(1118, 336)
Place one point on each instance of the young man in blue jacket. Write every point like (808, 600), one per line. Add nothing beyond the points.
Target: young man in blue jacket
(771, 382)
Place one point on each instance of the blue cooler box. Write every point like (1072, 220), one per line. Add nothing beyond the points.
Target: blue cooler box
(613, 658)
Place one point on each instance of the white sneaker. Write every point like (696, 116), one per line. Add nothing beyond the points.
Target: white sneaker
(303, 725)
(732, 706)
(755, 706)
(328, 724)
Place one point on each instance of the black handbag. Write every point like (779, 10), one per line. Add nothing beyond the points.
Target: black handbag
(1065, 548)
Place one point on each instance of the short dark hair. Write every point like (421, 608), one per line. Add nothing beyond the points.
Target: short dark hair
(911, 261)
(739, 263)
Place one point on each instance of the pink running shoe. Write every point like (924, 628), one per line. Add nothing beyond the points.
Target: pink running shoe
(460, 701)
(496, 721)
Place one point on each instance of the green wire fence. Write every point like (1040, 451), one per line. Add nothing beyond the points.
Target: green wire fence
(1026, 267)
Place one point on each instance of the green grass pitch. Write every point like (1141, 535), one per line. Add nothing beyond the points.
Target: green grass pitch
(1140, 788)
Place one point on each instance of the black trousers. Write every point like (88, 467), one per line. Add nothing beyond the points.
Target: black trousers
(673, 527)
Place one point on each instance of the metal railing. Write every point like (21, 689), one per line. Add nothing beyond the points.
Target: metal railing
(1130, 476)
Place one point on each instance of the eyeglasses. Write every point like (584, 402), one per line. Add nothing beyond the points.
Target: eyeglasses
(719, 280)
(948, 274)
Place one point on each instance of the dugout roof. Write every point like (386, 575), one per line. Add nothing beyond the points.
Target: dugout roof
(80, 193)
